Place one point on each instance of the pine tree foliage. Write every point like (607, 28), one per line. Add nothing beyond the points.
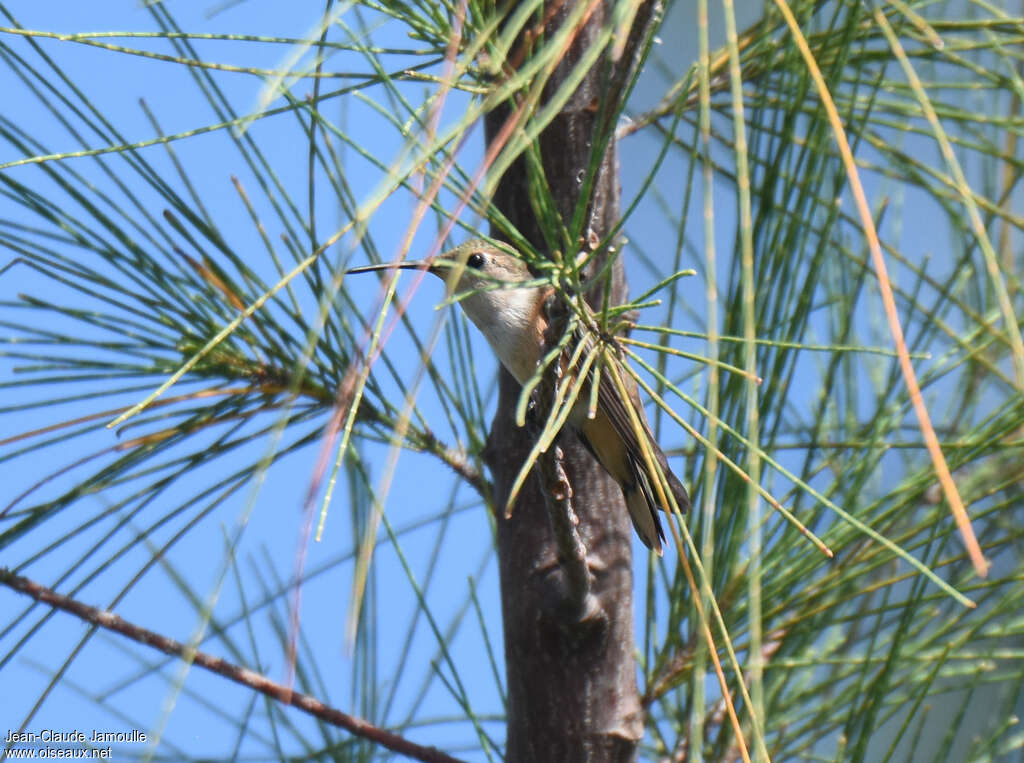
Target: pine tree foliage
(193, 392)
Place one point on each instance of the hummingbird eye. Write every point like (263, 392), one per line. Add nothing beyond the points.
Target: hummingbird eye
(475, 261)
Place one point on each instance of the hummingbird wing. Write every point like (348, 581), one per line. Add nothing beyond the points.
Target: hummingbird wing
(609, 399)
(605, 443)
(614, 440)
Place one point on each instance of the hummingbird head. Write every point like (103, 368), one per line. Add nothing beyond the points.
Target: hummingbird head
(479, 265)
(485, 277)
(490, 282)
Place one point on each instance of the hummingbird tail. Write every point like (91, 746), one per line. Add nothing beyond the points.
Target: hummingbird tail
(642, 507)
(642, 501)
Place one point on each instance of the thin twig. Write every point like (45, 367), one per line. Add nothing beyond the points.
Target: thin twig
(579, 602)
(220, 666)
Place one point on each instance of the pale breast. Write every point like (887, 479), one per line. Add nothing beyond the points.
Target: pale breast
(510, 320)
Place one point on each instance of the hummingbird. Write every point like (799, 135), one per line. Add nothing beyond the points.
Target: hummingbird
(513, 320)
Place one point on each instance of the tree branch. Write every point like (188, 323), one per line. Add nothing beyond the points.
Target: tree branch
(236, 673)
(572, 692)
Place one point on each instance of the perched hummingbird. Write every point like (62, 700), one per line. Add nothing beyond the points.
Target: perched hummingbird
(513, 321)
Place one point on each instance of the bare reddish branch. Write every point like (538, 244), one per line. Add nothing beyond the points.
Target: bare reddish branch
(236, 673)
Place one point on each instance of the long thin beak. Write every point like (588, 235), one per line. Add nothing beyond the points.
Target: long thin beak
(404, 265)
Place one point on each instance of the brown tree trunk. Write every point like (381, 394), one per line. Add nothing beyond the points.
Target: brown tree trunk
(572, 691)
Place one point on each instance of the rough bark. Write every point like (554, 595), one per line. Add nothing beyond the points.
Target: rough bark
(572, 691)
